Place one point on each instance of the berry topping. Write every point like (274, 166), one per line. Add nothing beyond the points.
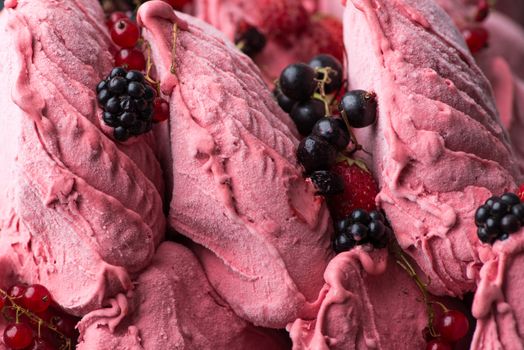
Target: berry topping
(297, 81)
(334, 131)
(283, 101)
(18, 336)
(37, 298)
(115, 17)
(125, 33)
(520, 192)
(476, 38)
(361, 227)
(499, 217)
(359, 107)
(161, 108)
(360, 189)
(315, 153)
(131, 59)
(249, 40)
(327, 183)
(335, 71)
(452, 325)
(438, 344)
(127, 103)
(305, 114)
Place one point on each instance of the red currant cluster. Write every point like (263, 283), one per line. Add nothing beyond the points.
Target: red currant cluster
(477, 36)
(34, 321)
(126, 34)
(451, 326)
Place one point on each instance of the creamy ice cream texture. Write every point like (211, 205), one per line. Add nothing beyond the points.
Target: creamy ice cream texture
(261, 236)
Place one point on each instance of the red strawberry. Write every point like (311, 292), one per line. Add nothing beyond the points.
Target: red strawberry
(520, 192)
(360, 189)
(324, 35)
(276, 18)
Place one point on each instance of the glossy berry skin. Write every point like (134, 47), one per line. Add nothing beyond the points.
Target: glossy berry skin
(333, 130)
(476, 38)
(2, 302)
(452, 325)
(114, 17)
(520, 192)
(499, 217)
(438, 344)
(161, 110)
(18, 336)
(316, 154)
(131, 59)
(343, 243)
(283, 101)
(336, 75)
(305, 114)
(327, 183)
(297, 81)
(359, 107)
(249, 39)
(17, 292)
(125, 33)
(37, 298)
(41, 344)
(362, 227)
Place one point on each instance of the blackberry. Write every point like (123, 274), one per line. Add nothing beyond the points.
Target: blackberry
(306, 114)
(127, 102)
(361, 227)
(499, 217)
(327, 183)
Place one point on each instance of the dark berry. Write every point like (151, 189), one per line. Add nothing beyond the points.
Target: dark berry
(452, 325)
(134, 75)
(510, 198)
(297, 81)
(327, 183)
(121, 133)
(109, 119)
(113, 105)
(103, 96)
(359, 232)
(377, 216)
(283, 101)
(127, 119)
(136, 89)
(125, 33)
(18, 336)
(316, 154)
(101, 86)
(499, 208)
(482, 214)
(359, 107)
(343, 243)
(360, 216)
(305, 114)
(343, 225)
(485, 236)
(149, 94)
(117, 85)
(249, 39)
(41, 344)
(510, 223)
(518, 210)
(131, 59)
(336, 72)
(117, 72)
(493, 226)
(333, 131)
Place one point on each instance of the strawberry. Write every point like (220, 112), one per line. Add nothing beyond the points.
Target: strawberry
(520, 192)
(360, 189)
(277, 18)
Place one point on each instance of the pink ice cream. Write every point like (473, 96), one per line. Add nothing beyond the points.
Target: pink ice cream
(238, 190)
(172, 307)
(438, 148)
(79, 213)
(368, 302)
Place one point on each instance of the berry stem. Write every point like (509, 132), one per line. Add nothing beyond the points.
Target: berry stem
(403, 262)
(19, 311)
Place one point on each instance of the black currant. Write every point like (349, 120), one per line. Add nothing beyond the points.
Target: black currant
(306, 114)
(250, 40)
(297, 81)
(336, 73)
(333, 131)
(327, 183)
(316, 154)
(359, 107)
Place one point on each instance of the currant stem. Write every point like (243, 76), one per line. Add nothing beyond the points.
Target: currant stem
(173, 50)
(19, 310)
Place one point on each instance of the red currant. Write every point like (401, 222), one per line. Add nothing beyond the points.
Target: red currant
(452, 325)
(2, 302)
(161, 110)
(476, 38)
(482, 11)
(115, 17)
(37, 298)
(18, 336)
(178, 4)
(438, 344)
(125, 33)
(16, 292)
(520, 193)
(41, 344)
(132, 59)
